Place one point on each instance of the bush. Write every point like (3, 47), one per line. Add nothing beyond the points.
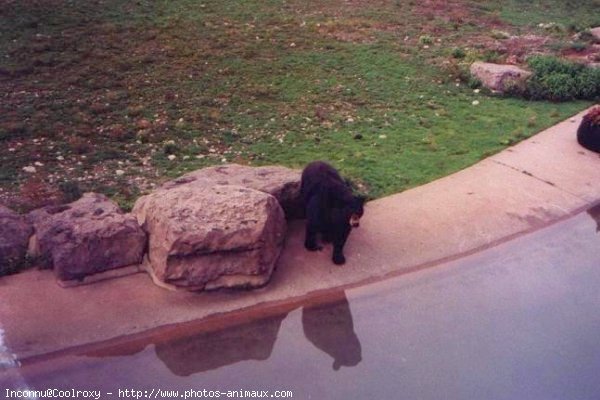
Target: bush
(457, 52)
(425, 39)
(545, 65)
(492, 56)
(70, 191)
(558, 80)
(589, 83)
(559, 86)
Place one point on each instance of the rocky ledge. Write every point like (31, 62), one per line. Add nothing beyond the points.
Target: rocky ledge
(218, 227)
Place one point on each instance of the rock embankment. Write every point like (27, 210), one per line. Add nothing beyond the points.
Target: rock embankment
(218, 227)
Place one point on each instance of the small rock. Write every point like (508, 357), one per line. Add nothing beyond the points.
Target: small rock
(30, 169)
(171, 157)
(475, 102)
(120, 172)
(15, 231)
(143, 124)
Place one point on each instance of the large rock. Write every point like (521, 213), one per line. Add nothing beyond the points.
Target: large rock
(498, 77)
(281, 182)
(85, 237)
(208, 237)
(15, 231)
(595, 33)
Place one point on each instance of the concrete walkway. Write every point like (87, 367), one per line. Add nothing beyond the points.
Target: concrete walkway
(528, 186)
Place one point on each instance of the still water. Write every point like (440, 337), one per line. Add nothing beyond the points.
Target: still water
(517, 321)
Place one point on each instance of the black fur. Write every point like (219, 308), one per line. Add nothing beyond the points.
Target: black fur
(329, 205)
(588, 133)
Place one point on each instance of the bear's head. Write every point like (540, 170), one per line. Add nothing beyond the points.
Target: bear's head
(356, 210)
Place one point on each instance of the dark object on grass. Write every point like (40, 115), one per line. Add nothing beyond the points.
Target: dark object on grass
(588, 133)
(331, 208)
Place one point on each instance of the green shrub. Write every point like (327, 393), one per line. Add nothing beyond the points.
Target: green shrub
(170, 148)
(545, 65)
(559, 86)
(492, 56)
(425, 39)
(70, 191)
(457, 52)
(588, 82)
(558, 80)
(473, 83)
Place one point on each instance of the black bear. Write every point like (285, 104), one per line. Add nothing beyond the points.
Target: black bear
(331, 208)
(588, 133)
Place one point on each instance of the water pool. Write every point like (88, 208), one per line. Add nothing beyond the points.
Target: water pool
(517, 321)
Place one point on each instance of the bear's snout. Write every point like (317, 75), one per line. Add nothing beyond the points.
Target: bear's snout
(355, 221)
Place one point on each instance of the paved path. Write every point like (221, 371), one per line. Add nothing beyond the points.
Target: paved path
(528, 186)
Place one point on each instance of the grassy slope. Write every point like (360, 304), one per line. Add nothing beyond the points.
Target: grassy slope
(90, 88)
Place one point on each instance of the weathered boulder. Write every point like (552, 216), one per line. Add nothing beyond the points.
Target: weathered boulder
(208, 237)
(498, 77)
(281, 182)
(595, 32)
(85, 237)
(15, 231)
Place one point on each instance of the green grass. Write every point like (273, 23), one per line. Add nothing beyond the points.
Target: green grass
(120, 85)
(578, 14)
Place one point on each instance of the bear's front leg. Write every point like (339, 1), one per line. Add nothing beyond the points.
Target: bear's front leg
(338, 258)
(310, 240)
(338, 246)
(312, 226)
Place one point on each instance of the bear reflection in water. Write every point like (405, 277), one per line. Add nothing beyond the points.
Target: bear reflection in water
(328, 327)
(594, 212)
